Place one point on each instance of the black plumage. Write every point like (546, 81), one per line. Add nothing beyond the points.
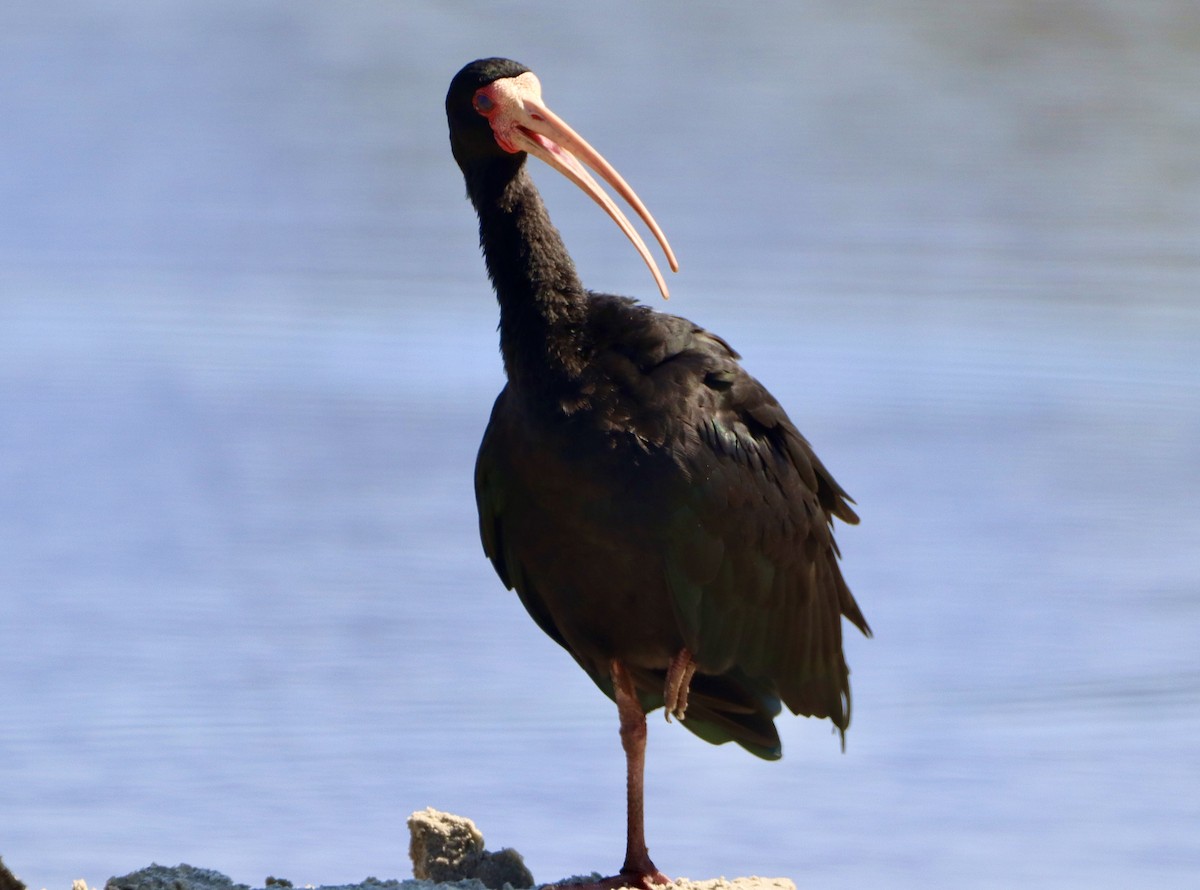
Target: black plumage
(645, 497)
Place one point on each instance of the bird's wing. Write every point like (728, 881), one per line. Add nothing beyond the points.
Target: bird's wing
(750, 557)
(490, 494)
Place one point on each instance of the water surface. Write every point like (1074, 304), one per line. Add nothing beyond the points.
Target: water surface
(247, 351)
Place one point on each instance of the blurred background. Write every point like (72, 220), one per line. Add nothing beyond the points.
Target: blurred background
(248, 348)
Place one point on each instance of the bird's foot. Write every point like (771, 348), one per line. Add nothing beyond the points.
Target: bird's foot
(679, 680)
(645, 880)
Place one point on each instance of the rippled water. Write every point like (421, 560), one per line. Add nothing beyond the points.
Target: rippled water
(247, 350)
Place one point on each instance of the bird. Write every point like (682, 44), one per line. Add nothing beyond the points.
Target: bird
(653, 507)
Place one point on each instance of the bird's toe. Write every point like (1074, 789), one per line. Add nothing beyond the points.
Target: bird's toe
(679, 680)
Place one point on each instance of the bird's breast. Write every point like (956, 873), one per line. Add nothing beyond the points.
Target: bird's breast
(579, 515)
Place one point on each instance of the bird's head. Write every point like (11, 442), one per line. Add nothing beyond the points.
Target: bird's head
(496, 114)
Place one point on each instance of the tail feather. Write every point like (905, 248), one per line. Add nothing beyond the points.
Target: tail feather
(730, 707)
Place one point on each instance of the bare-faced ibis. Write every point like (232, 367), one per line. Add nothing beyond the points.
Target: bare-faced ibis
(652, 505)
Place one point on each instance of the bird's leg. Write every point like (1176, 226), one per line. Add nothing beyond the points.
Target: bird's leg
(679, 680)
(638, 870)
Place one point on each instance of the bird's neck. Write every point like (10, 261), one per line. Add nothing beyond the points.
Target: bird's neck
(543, 304)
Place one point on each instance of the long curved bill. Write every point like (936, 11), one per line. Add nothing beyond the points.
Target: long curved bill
(522, 122)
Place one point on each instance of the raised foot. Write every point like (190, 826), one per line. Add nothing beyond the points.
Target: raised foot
(638, 880)
(679, 681)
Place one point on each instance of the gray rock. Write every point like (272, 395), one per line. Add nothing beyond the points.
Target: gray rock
(447, 854)
(179, 877)
(9, 881)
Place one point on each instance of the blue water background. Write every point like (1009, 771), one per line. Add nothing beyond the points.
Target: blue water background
(247, 350)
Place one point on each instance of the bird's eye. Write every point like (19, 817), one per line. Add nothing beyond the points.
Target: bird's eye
(483, 103)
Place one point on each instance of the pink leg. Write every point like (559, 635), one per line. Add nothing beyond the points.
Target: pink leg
(679, 680)
(638, 870)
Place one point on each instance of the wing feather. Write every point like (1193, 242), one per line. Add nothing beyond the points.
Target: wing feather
(751, 561)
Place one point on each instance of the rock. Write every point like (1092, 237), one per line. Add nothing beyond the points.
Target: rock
(752, 883)
(447, 854)
(180, 877)
(9, 881)
(444, 848)
(187, 877)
